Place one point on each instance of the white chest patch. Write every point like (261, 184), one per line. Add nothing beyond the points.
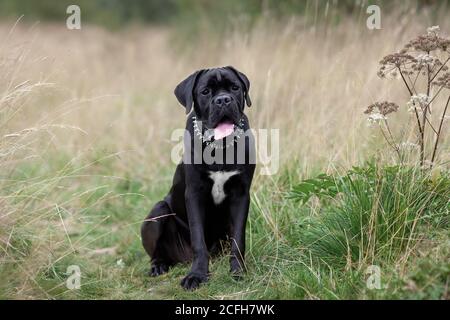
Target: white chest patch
(219, 178)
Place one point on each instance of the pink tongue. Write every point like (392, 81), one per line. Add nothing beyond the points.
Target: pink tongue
(223, 129)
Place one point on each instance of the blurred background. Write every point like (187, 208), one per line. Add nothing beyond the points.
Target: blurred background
(318, 55)
(117, 13)
(86, 118)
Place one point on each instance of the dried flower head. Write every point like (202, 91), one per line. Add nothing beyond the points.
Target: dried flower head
(397, 59)
(433, 30)
(420, 56)
(445, 44)
(382, 108)
(424, 61)
(379, 110)
(418, 102)
(392, 62)
(443, 81)
(375, 118)
(429, 42)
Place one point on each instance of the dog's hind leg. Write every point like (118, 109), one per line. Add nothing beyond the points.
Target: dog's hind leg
(151, 232)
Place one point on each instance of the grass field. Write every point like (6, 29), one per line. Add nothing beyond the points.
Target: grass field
(85, 124)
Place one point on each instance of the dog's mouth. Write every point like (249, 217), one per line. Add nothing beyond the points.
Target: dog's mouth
(224, 128)
(221, 129)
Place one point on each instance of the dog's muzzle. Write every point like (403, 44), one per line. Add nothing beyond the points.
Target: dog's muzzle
(225, 119)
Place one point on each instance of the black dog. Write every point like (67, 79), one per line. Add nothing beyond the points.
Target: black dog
(208, 203)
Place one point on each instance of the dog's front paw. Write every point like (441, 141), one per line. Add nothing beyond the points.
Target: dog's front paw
(158, 269)
(193, 280)
(237, 269)
(237, 274)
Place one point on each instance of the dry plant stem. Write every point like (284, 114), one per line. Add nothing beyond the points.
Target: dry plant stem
(439, 70)
(424, 118)
(431, 125)
(390, 140)
(439, 131)
(404, 80)
(427, 107)
(421, 142)
(413, 83)
(411, 94)
(435, 96)
(417, 77)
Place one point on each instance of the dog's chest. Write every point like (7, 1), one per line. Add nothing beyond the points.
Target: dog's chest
(219, 178)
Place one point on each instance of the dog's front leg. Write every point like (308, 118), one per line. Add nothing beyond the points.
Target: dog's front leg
(196, 216)
(239, 206)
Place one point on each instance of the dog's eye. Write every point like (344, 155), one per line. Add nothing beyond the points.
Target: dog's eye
(205, 92)
(234, 87)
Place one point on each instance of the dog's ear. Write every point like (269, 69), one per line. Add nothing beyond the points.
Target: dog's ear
(185, 90)
(244, 80)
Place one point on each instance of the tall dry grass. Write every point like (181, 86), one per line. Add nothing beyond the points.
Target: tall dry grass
(115, 89)
(72, 100)
(311, 83)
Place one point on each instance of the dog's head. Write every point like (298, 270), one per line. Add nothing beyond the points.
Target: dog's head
(218, 95)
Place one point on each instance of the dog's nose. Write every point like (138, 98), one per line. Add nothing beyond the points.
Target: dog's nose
(222, 100)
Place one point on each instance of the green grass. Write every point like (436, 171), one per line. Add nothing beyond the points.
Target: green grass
(83, 155)
(303, 242)
(372, 214)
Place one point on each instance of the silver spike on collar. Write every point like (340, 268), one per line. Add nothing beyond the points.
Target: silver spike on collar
(209, 135)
